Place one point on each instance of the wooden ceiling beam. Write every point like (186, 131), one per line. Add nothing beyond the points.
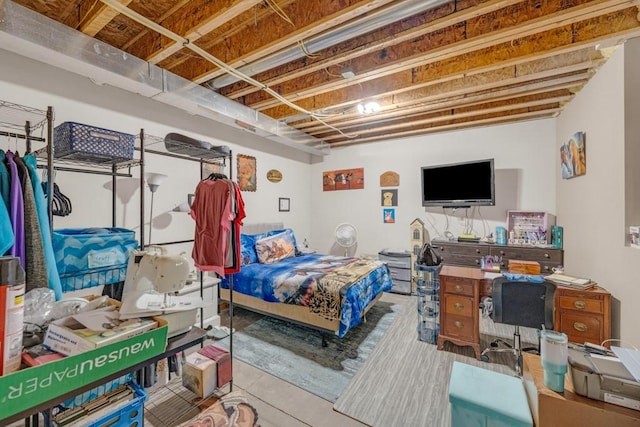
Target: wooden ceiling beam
(449, 101)
(436, 46)
(483, 120)
(175, 8)
(271, 34)
(544, 45)
(398, 125)
(97, 17)
(194, 20)
(463, 83)
(396, 33)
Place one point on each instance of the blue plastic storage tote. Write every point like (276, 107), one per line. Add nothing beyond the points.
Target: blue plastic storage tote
(88, 257)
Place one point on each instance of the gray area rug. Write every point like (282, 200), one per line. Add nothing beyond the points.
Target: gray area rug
(295, 354)
(405, 381)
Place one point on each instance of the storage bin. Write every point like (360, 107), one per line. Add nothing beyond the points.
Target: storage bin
(129, 415)
(89, 143)
(88, 257)
(480, 397)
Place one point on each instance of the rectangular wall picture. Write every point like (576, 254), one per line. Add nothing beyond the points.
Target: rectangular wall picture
(389, 216)
(573, 156)
(344, 179)
(389, 197)
(247, 177)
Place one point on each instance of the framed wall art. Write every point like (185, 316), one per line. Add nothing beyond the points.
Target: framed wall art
(344, 179)
(573, 156)
(284, 204)
(247, 173)
(389, 197)
(389, 216)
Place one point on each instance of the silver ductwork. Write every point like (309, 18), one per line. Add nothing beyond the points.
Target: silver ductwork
(358, 27)
(35, 36)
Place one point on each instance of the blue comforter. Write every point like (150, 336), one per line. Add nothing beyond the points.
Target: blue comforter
(295, 280)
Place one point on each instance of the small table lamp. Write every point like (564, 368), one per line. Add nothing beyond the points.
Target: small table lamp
(153, 181)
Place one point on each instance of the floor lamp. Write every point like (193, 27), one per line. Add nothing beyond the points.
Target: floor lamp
(153, 181)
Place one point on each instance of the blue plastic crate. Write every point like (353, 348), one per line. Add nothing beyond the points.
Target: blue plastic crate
(130, 415)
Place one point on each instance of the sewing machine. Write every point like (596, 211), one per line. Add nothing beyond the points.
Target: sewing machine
(152, 282)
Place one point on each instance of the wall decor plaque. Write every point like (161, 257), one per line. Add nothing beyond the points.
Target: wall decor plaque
(274, 175)
(247, 173)
(389, 179)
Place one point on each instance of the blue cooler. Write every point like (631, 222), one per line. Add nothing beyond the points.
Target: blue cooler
(483, 398)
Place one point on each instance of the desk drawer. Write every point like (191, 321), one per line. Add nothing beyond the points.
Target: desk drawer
(461, 249)
(577, 303)
(457, 285)
(458, 305)
(467, 261)
(460, 327)
(582, 327)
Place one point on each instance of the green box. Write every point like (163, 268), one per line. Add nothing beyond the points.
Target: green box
(29, 387)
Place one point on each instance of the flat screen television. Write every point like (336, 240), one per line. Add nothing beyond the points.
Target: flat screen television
(459, 185)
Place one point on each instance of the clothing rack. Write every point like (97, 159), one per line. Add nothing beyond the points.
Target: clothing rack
(202, 161)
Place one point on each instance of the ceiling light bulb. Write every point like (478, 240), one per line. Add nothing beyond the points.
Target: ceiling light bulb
(368, 108)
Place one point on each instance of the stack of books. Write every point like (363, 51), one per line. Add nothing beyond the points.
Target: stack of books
(571, 281)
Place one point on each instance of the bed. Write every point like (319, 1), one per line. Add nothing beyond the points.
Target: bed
(326, 292)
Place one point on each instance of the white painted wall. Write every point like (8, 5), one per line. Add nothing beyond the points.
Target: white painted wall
(524, 156)
(75, 98)
(592, 207)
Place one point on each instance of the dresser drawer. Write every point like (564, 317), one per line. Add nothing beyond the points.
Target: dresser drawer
(457, 285)
(400, 274)
(461, 249)
(455, 259)
(553, 256)
(459, 327)
(401, 286)
(458, 305)
(400, 260)
(579, 303)
(582, 327)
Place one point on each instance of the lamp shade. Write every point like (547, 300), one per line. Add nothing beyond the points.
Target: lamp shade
(154, 180)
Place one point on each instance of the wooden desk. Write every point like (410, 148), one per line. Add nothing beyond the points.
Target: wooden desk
(551, 409)
(582, 315)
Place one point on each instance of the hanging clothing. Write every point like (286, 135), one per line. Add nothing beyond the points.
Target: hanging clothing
(212, 211)
(34, 267)
(16, 206)
(5, 181)
(53, 278)
(235, 246)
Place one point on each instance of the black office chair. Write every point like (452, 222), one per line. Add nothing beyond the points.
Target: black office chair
(520, 304)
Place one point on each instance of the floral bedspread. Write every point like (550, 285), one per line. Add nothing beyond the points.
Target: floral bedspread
(300, 280)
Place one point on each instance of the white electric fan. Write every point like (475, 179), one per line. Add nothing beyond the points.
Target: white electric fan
(346, 236)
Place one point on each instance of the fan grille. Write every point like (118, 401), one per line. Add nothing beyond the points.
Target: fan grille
(346, 235)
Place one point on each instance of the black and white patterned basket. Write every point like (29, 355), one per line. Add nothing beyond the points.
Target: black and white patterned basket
(84, 142)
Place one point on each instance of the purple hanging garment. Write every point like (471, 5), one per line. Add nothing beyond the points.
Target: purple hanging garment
(16, 209)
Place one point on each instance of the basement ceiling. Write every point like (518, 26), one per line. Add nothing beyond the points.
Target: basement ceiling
(431, 66)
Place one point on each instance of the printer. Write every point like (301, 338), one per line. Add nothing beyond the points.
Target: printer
(603, 377)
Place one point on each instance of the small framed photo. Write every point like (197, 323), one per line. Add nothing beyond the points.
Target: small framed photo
(284, 204)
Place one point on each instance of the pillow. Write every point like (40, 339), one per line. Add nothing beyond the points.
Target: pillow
(534, 278)
(274, 248)
(248, 242)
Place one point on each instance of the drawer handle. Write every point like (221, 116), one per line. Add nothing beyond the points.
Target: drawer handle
(547, 256)
(458, 288)
(477, 262)
(502, 253)
(579, 326)
(580, 305)
(458, 306)
(458, 324)
(546, 268)
(477, 251)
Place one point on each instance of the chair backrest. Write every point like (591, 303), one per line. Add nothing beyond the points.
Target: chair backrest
(523, 303)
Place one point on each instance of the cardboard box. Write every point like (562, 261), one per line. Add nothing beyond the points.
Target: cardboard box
(223, 362)
(199, 374)
(523, 267)
(27, 388)
(70, 337)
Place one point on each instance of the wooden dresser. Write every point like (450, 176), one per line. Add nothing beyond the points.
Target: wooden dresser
(469, 254)
(583, 315)
(459, 301)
